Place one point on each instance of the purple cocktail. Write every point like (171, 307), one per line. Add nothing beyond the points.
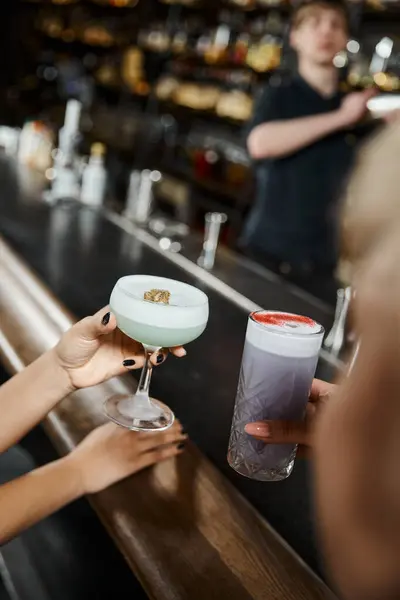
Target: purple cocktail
(279, 361)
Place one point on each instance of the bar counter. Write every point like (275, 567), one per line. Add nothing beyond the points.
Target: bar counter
(221, 546)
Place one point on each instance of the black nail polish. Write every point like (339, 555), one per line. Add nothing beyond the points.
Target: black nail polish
(181, 446)
(106, 319)
(128, 363)
(160, 359)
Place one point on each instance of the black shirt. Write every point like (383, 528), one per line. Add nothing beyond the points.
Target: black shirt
(294, 216)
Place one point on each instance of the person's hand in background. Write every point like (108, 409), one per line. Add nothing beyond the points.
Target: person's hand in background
(354, 107)
(295, 432)
(94, 350)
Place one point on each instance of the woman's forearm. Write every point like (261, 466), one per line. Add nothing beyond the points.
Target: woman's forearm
(29, 499)
(27, 398)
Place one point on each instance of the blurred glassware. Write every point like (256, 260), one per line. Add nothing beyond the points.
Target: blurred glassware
(35, 146)
(213, 223)
(69, 134)
(94, 178)
(141, 196)
(133, 194)
(336, 339)
(9, 140)
(65, 185)
(65, 177)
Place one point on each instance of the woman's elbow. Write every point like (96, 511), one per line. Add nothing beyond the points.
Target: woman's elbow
(257, 146)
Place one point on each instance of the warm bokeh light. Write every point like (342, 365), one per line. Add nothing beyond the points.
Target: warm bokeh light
(380, 79)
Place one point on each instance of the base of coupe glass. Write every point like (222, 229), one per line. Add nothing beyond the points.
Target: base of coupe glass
(119, 409)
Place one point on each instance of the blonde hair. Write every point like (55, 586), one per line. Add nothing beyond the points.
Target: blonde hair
(372, 207)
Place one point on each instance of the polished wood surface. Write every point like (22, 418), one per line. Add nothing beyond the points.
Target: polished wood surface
(183, 528)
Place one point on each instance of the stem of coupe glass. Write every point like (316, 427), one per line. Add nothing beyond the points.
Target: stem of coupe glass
(145, 378)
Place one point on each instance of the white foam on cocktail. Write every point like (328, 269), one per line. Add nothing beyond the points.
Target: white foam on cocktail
(286, 338)
(188, 306)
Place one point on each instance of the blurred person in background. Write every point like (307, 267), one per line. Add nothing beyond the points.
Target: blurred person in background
(353, 429)
(299, 139)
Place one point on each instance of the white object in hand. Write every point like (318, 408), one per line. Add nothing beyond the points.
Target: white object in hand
(380, 106)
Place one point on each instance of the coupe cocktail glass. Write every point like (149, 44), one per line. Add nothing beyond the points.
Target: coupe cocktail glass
(155, 325)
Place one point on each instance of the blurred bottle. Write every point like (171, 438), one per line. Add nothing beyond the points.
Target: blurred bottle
(238, 169)
(65, 180)
(133, 194)
(241, 49)
(265, 52)
(145, 199)
(218, 51)
(133, 70)
(141, 196)
(69, 134)
(35, 146)
(9, 140)
(94, 179)
(215, 161)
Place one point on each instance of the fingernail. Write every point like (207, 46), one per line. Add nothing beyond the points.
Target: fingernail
(182, 353)
(181, 446)
(259, 428)
(160, 359)
(106, 319)
(129, 363)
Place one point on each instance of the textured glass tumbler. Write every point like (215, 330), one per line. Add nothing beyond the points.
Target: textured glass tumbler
(278, 365)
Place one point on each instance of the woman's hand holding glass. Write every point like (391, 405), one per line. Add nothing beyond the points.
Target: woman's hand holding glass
(111, 453)
(94, 350)
(296, 432)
